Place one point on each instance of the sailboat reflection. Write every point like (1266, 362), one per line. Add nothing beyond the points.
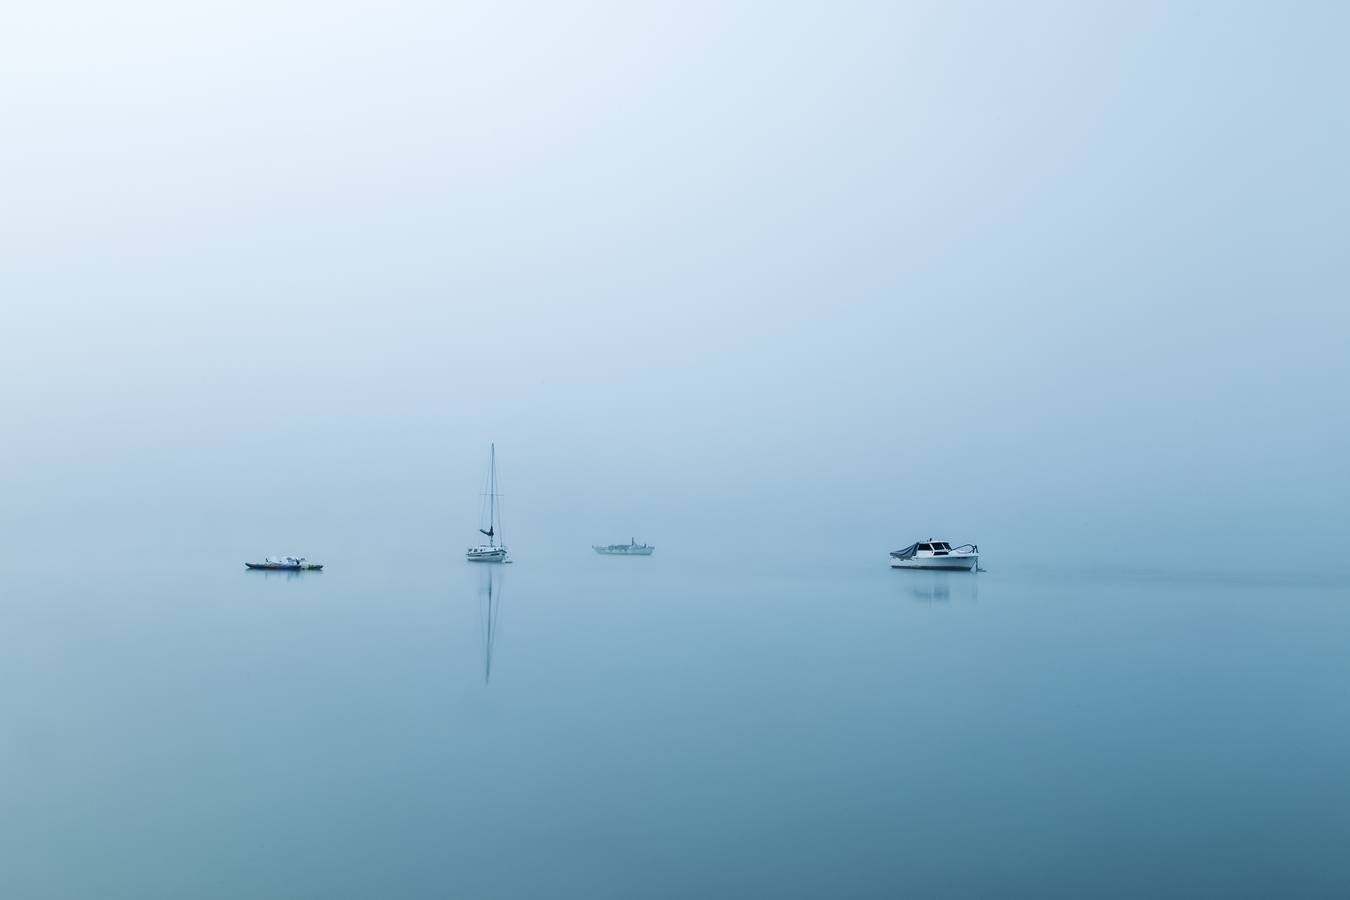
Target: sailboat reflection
(490, 608)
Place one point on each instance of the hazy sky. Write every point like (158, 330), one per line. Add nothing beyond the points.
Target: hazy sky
(782, 274)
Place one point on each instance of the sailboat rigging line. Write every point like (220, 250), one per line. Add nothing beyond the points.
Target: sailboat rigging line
(496, 497)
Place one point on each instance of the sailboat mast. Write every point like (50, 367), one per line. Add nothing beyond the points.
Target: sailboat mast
(492, 496)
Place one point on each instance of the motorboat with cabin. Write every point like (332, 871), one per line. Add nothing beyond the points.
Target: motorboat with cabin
(632, 548)
(286, 564)
(934, 554)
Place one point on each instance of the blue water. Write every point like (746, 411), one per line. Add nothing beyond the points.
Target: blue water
(678, 726)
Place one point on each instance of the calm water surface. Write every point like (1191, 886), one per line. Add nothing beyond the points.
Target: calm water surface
(677, 726)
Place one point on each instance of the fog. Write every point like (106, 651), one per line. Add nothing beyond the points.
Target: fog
(807, 279)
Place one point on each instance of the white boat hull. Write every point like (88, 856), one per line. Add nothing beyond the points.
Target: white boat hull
(486, 555)
(952, 562)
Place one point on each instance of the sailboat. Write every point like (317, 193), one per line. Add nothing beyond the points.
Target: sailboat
(492, 551)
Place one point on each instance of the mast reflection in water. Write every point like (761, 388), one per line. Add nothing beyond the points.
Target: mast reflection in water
(490, 606)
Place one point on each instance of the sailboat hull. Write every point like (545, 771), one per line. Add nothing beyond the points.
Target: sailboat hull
(485, 554)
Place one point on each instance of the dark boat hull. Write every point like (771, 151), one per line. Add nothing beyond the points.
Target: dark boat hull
(276, 567)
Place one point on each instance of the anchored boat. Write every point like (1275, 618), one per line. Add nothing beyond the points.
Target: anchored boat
(286, 564)
(632, 548)
(931, 554)
(491, 552)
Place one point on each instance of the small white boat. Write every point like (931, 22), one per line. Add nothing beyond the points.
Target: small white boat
(931, 554)
(286, 564)
(632, 548)
(485, 553)
(491, 552)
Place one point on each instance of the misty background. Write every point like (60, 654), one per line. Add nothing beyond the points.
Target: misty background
(798, 278)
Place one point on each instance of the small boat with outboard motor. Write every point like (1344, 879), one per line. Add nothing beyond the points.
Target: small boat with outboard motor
(286, 564)
(931, 554)
(632, 548)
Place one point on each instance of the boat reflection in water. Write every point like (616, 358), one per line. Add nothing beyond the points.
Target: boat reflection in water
(489, 609)
(942, 587)
(286, 574)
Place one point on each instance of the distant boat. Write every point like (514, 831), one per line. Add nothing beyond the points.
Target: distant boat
(931, 554)
(491, 552)
(286, 564)
(632, 548)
